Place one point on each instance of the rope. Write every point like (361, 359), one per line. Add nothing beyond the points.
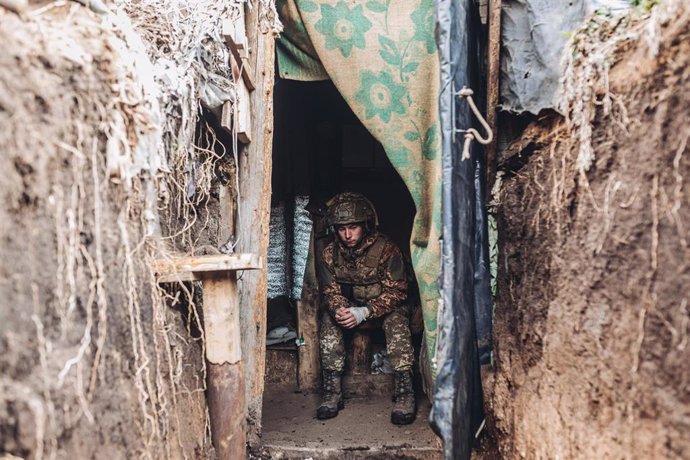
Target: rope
(471, 133)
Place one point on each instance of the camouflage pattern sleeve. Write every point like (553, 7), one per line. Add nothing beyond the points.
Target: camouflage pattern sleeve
(394, 282)
(332, 294)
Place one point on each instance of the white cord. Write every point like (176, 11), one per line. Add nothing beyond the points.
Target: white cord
(471, 133)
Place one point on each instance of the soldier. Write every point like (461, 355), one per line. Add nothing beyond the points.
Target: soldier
(363, 279)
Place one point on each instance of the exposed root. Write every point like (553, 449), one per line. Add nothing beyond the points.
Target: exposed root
(135, 148)
(101, 299)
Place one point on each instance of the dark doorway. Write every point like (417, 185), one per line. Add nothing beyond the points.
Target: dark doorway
(320, 148)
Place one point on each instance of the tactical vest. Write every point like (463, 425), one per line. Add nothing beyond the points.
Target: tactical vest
(360, 282)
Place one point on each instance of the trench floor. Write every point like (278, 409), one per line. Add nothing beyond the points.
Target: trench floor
(361, 430)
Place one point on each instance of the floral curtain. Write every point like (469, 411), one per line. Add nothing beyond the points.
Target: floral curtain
(382, 57)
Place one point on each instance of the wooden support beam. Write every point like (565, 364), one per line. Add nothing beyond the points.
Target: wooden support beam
(494, 64)
(208, 263)
(221, 317)
(222, 339)
(227, 409)
(243, 115)
(308, 366)
(252, 227)
(236, 116)
(225, 373)
(236, 41)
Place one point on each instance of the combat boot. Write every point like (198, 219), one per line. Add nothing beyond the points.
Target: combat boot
(405, 406)
(331, 396)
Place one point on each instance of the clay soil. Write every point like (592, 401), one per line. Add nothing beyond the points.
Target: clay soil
(91, 366)
(591, 333)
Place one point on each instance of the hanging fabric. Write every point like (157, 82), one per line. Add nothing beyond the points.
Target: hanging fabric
(382, 57)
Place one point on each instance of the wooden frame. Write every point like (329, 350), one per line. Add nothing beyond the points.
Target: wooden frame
(222, 339)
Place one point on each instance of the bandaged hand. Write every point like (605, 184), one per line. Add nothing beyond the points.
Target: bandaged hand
(351, 317)
(360, 314)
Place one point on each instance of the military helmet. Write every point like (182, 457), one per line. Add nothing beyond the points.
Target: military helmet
(351, 208)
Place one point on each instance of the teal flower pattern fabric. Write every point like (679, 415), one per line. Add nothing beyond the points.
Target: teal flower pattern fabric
(382, 57)
(343, 27)
(424, 19)
(380, 95)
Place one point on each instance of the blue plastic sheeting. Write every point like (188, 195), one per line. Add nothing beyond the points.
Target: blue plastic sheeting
(457, 410)
(534, 34)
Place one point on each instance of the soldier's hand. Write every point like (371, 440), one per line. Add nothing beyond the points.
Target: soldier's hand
(345, 318)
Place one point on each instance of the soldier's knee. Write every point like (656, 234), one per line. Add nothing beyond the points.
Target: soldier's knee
(395, 320)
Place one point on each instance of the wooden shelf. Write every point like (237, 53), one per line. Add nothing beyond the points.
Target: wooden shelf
(194, 268)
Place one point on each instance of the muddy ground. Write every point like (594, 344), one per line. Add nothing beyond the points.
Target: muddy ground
(592, 320)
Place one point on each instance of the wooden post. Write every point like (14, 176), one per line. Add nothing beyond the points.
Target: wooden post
(227, 409)
(225, 374)
(494, 56)
(360, 360)
(307, 326)
(254, 209)
(222, 338)
(308, 366)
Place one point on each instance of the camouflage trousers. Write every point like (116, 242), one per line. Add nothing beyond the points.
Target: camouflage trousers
(396, 327)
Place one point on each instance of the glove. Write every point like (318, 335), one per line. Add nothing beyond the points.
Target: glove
(360, 314)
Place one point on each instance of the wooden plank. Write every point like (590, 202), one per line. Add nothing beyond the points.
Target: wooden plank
(178, 277)
(242, 115)
(252, 227)
(493, 87)
(236, 117)
(226, 200)
(237, 43)
(207, 263)
(226, 116)
(308, 366)
(221, 318)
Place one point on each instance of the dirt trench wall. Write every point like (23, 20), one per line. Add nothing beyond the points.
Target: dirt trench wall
(95, 360)
(592, 319)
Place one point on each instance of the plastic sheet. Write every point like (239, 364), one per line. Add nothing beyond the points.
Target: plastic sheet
(483, 299)
(457, 404)
(534, 35)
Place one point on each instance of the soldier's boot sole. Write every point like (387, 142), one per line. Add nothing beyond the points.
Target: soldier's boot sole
(325, 412)
(398, 418)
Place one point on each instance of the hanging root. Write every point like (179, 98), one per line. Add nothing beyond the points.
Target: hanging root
(142, 165)
(590, 55)
(585, 83)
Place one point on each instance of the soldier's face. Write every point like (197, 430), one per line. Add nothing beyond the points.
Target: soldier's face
(350, 234)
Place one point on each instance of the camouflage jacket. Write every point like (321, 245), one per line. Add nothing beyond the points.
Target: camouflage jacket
(372, 274)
